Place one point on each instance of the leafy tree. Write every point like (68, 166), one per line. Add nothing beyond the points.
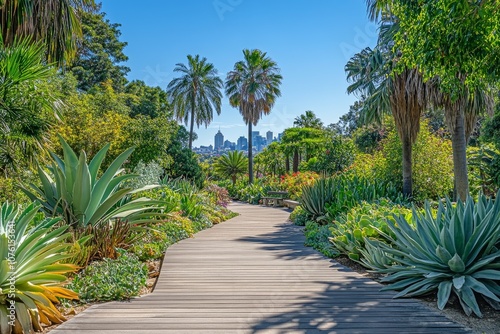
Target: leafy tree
(184, 162)
(54, 22)
(272, 160)
(148, 101)
(151, 138)
(338, 155)
(252, 87)
(100, 53)
(308, 120)
(456, 45)
(303, 140)
(231, 165)
(195, 94)
(91, 120)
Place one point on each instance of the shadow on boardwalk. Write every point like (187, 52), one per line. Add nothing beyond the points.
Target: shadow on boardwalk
(352, 304)
(253, 275)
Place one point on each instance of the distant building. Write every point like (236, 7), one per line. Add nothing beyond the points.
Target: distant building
(219, 141)
(229, 145)
(269, 137)
(280, 135)
(259, 142)
(242, 144)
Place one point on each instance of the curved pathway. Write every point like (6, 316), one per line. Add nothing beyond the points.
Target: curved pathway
(252, 274)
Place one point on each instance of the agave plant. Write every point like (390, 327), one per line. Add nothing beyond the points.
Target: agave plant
(454, 251)
(31, 275)
(315, 197)
(75, 192)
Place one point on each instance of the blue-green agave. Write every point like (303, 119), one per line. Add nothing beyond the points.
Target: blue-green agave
(453, 251)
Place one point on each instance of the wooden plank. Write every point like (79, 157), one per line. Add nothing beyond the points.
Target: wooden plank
(252, 274)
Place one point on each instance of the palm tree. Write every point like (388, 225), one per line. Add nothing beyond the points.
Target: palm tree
(460, 113)
(55, 22)
(252, 87)
(27, 109)
(308, 120)
(231, 165)
(403, 94)
(196, 93)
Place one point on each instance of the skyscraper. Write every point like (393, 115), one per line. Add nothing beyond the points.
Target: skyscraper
(269, 137)
(242, 144)
(219, 141)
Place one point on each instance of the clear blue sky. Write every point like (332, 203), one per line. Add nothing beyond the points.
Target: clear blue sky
(311, 41)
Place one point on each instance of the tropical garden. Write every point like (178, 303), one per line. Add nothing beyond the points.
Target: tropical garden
(98, 176)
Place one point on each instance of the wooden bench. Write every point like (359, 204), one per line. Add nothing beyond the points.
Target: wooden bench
(290, 204)
(274, 198)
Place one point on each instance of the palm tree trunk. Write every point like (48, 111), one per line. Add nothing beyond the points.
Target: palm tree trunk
(250, 155)
(458, 144)
(407, 168)
(296, 161)
(287, 163)
(191, 127)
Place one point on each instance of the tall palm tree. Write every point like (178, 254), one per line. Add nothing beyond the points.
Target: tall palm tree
(196, 93)
(55, 22)
(231, 165)
(460, 113)
(308, 120)
(252, 87)
(403, 93)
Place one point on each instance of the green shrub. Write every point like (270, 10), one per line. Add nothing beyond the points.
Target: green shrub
(148, 251)
(299, 216)
(327, 198)
(109, 279)
(455, 250)
(317, 237)
(364, 221)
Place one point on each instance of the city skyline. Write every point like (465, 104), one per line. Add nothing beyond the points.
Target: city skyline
(310, 41)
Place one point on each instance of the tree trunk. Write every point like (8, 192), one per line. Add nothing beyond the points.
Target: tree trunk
(287, 164)
(250, 154)
(191, 127)
(296, 161)
(407, 167)
(458, 144)
(233, 177)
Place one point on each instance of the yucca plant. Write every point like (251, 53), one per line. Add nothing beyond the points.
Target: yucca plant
(82, 198)
(454, 251)
(31, 273)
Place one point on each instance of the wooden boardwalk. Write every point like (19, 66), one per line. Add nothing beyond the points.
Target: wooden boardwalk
(252, 274)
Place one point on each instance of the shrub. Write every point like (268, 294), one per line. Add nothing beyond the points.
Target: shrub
(453, 251)
(148, 251)
(364, 221)
(294, 183)
(327, 198)
(218, 195)
(109, 279)
(37, 247)
(299, 216)
(317, 237)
